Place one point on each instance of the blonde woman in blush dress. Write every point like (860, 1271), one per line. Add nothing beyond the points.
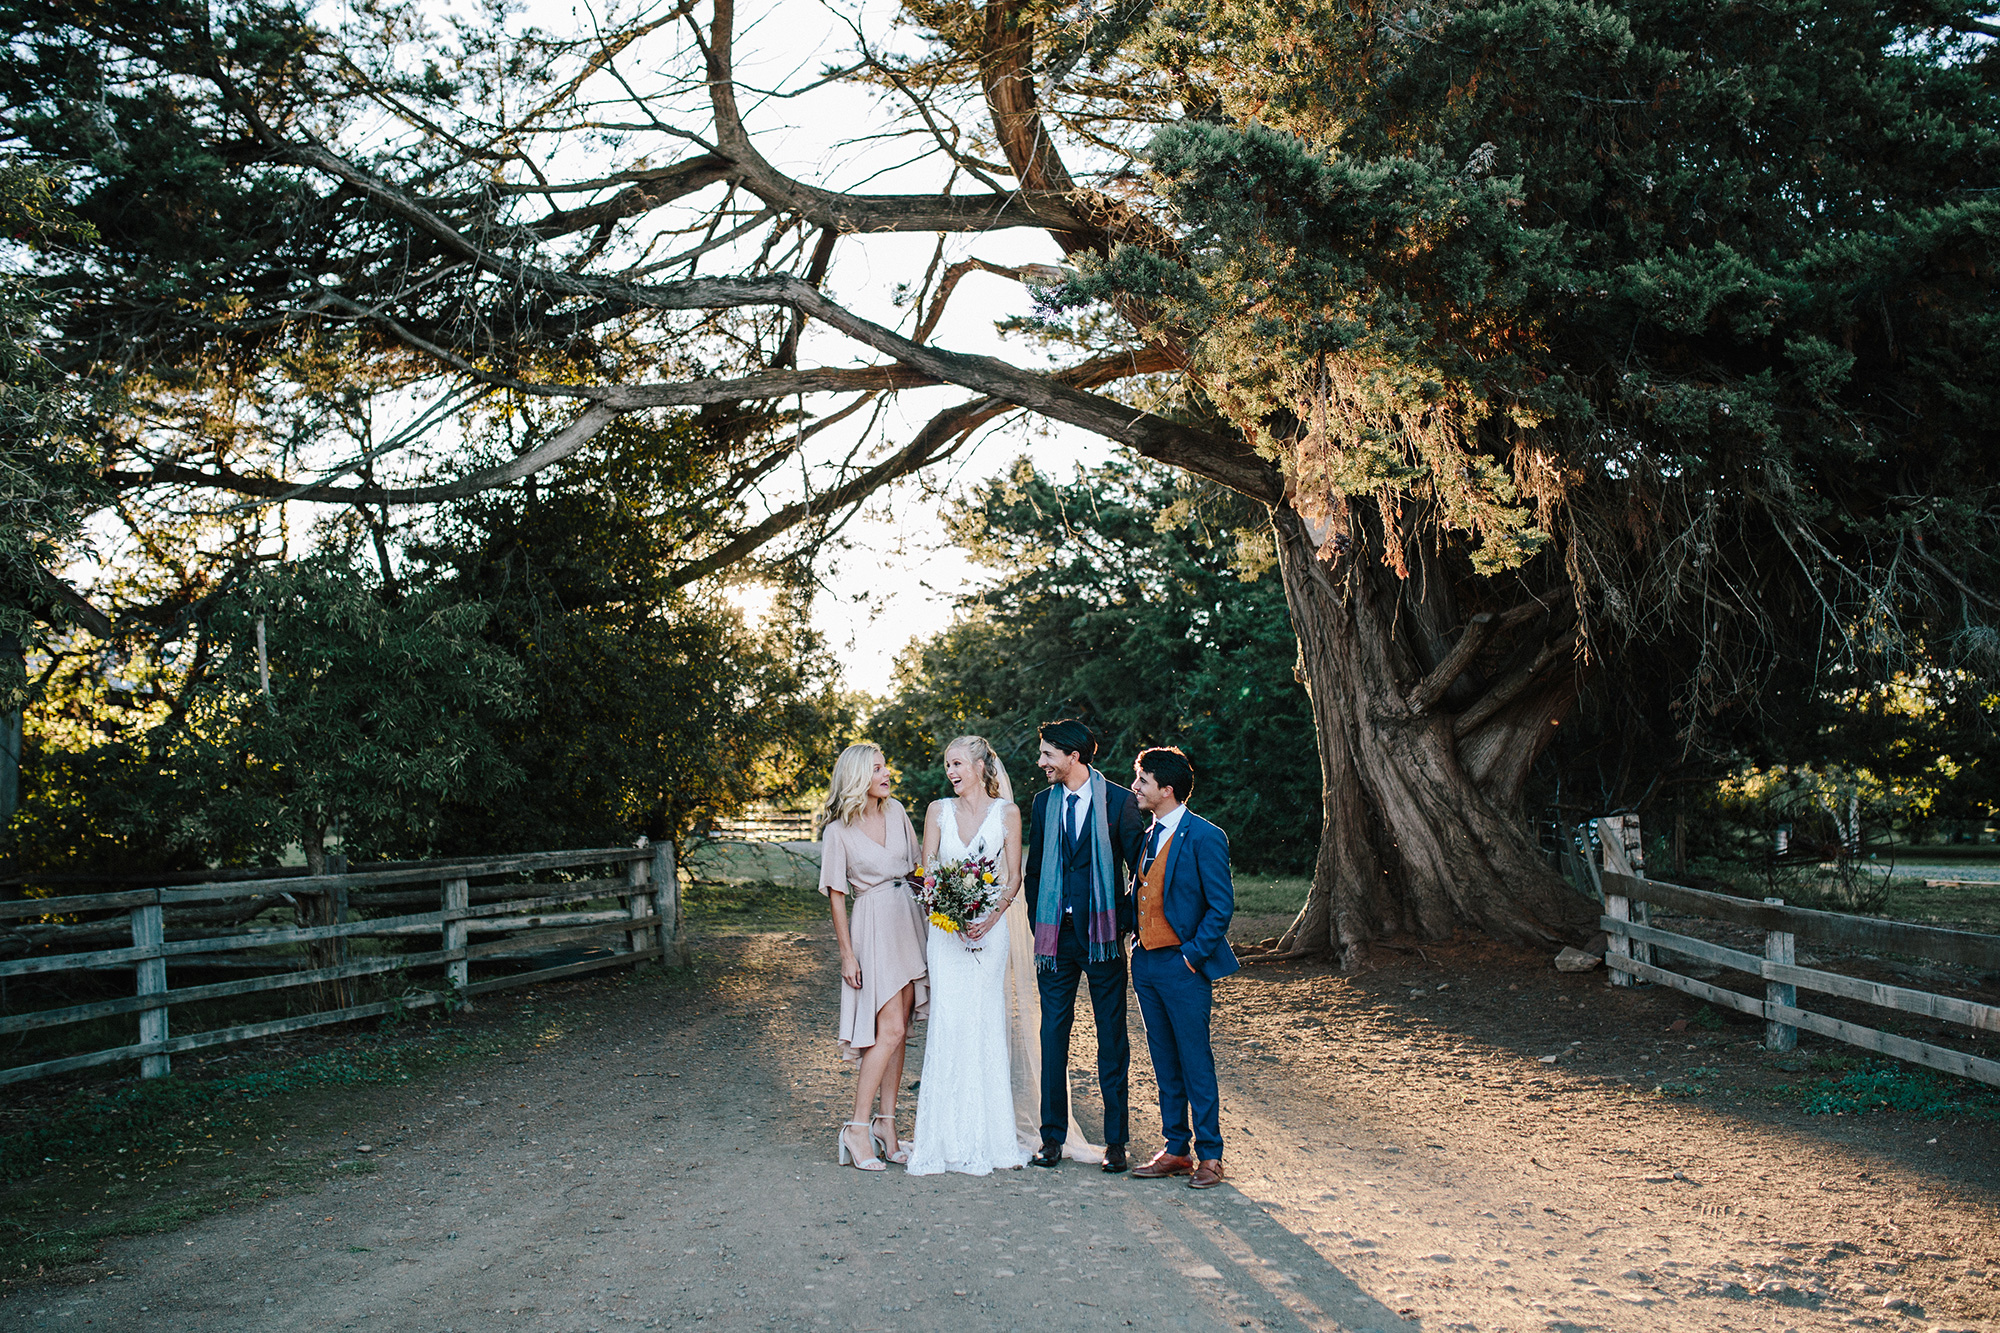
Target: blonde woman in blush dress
(867, 847)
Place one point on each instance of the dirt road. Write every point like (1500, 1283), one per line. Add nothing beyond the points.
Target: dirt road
(1396, 1165)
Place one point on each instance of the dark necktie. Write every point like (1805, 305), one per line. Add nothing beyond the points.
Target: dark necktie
(1152, 848)
(1069, 821)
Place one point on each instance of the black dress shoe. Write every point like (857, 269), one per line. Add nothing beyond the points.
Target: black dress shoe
(1114, 1158)
(1050, 1154)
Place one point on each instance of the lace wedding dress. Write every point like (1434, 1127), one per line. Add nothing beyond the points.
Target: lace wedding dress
(965, 1103)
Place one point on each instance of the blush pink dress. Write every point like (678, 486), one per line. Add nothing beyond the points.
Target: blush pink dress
(886, 925)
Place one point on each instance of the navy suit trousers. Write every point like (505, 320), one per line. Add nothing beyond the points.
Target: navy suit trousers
(1114, 1044)
(1175, 1000)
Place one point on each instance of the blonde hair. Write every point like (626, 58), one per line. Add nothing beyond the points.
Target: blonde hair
(992, 773)
(847, 790)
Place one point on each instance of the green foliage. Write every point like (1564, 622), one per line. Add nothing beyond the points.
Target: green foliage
(1119, 596)
(653, 703)
(377, 714)
(1885, 1087)
(47, 483)
(532, 678)
(1697, 300)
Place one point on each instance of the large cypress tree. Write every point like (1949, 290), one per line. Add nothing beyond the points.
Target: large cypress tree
(1582, 335)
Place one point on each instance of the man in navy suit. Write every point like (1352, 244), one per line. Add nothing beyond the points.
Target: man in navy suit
(1184, 899)
(1081, 836)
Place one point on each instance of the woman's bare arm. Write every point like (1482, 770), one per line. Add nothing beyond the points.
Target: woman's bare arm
(933, 831)
(1010, 858)
(851, 967)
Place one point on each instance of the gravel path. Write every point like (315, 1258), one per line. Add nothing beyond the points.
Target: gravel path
(674, 1167)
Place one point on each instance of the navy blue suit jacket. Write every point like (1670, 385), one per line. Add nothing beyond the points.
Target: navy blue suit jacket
(1199, 897)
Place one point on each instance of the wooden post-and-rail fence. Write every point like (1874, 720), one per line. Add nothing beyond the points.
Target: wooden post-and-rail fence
(1626, 894)
(646, 924)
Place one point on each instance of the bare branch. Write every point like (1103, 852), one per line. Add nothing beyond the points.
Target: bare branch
(685, 178)
(1431, 689)
(87, 615)
(1511, 686)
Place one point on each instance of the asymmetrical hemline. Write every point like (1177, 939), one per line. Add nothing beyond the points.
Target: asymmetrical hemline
(885, 923)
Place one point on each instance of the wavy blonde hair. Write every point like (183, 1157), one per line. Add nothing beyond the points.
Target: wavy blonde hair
(992, 773)
(847, 790)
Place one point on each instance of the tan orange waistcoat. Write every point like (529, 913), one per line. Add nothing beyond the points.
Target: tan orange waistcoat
(1154, 932)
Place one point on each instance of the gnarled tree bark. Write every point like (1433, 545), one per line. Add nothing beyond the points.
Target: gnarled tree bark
(1423, 832)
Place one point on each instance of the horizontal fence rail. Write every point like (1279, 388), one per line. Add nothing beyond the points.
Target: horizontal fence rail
(766, 824)
(645, 924)
(1783, 977)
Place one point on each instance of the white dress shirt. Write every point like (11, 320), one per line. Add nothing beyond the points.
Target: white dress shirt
(1078, 817)
(1167, 824)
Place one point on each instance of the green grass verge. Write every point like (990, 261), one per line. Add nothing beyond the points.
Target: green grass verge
(154, 1155)
(728, 906)
(136, 1157)
(1270, 895)
(1886, 1087)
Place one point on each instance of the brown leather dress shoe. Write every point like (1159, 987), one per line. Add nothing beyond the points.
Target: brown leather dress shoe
(1207, 1175)
(1164, 1164)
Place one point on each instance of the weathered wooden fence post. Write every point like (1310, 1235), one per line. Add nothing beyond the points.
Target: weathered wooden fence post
(343, 986)
(638, 905)
(149, 931)
(1619, 908)
(1780, 946)
(1624, 854)
(667, 905)
(457, 897)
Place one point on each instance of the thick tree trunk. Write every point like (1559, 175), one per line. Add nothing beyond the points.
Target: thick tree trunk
(1423, 751)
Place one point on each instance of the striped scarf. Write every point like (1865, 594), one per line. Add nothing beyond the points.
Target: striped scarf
(1102, 928)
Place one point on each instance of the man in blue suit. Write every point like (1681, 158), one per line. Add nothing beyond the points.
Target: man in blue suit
(1184, 901)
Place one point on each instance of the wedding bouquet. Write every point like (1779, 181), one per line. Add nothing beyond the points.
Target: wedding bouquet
(954, 894)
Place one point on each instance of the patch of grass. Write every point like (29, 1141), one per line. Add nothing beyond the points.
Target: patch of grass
(1270, 895)
(751, 864)
(1707, 1019)
(145, 1156)
(716, 905)
(158, 1118)
(1872, 890)
(1973, 906)
(1884, 1087)
(1695, 1085)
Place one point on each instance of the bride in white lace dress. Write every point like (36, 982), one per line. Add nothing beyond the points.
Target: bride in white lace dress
(965, 1106)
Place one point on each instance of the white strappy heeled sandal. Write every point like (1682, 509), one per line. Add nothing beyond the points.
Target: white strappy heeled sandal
(847, 1157)
(892, 1148)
